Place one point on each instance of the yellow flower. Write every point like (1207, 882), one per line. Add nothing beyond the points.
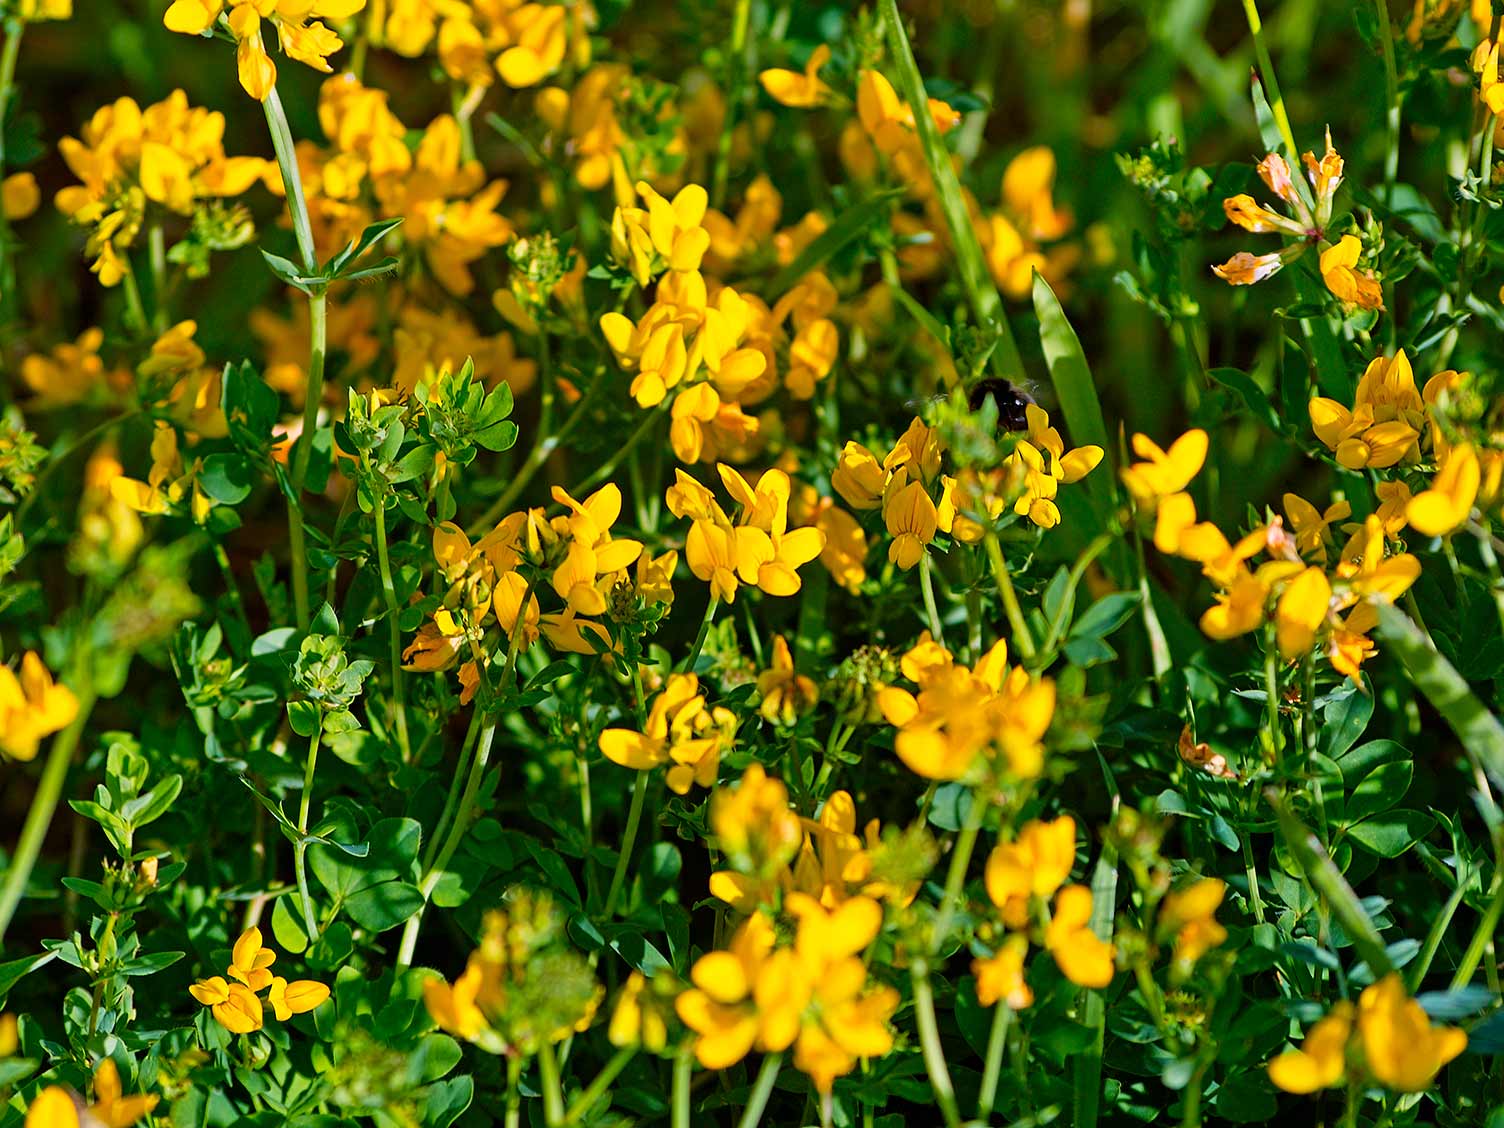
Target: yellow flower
(1189, 915)
(1238, 610)
(679, 730)
(249, 960)
(786, 694)
(454, 1007)
(1353, 286)
(234, 1005)
(1162, 472)
(19, 196)
(747, 995)
(1321, 1062)
(1083, 958)
(1302, 609)
(1401, 1048)
(1313, 536)
(912, 521)
(1446, 506)
(754, 825)
(31, 706)
(859, 478)
(55, 1106)
(1035, 864)
(10, 1036)
(299, 31)
(1001, 975)
(795, 89)
(641, 1016)
(298, 997)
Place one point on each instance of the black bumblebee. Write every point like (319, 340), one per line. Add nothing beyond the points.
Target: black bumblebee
(1011, 400)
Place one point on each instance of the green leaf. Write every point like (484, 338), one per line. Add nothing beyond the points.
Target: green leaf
(1251, 394)
(1345, 720)
(13, 972)
(153, 805)
(304, 717)
(1392, 833)
(1379, 790)
(226, 478)
(1076, 392)
(1106, 615)
(384, 906)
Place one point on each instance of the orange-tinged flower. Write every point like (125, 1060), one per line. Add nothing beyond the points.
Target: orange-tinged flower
(1035, 864)
(1351, 285)
(1000, 977)
(1189, 915)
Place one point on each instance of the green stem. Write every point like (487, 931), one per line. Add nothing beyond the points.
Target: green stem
(514, 1102)
(300, 850)
(986, 304)
(1392, 101)
(688, 664)
(297, 207)
(608, 468)
(634, 818)
(157, 245)
(597, 1088)
(683, 1066)
(553, 1093)
(1487, 927)
(1266, 72)
(84, 441)
(394, 630)
(992, 1070)
(43, 806)
(927, 586)
(955, 878)
(1023, 640)
(762, 1091)
(1057, 625)
(14, 29)
(735, 71)
(929, 1041)
(456, 783)
(1255, 900)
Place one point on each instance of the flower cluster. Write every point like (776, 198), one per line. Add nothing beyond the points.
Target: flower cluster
(236, 1002)
(1386, 1039)
(681, 731)
(986, 720)
(32, 706)
(524, 985)
(301, 33)
(136, 165)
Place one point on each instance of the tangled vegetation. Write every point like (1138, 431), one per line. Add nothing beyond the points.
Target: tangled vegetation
(590, 563)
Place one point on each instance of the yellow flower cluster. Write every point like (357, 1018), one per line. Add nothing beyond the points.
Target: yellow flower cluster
(1336, 610)
(758, 548)
(1021, 877)
(301, 32)
(902, 485)
(523, 985)
(813, 994)
(680, 731)
(1389, 1041)
(56, 1106)
(773, 852)
(1308, 221)
(521, 43)
(573, 553)
(969, 722)
(32, 706)
(169, 154)
(237, 1005)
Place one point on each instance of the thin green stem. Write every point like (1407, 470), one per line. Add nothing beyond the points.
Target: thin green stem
(688, 665)
(683, 1067)
(927, 586)
(762, 1091)
(514, 1101)
(1095, 549)
(607, 468)
(14, 29)
(1266, 72)
(300, 850)
(43, 806)
(929, 1042)
(955, 878)
(83, 442)
(1023, 640)
(456, 783)
(1392, 101)
(1484, 935)
(992, 1069)
(588, 1099)
(157, 247)
(629, 839)
(292, 181)
(553, 1092)
(736, 70)
(394, 630)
